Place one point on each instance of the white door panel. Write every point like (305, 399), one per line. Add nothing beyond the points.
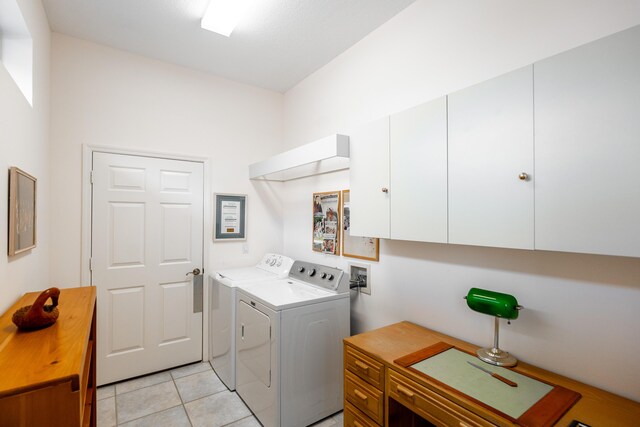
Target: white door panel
(126, 332)
(369, 179)
(175, 311)
(588, 148)
(174, 181)
(147, 225)
(418, 173)
(490, 145)
(126, 234)
(175, 233)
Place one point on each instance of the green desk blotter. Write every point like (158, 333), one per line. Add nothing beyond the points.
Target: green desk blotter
(532, 403)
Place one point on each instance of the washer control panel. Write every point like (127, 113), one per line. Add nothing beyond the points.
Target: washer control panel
(275, 263)
(322, 276)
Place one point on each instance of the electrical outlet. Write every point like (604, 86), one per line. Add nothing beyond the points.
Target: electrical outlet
(361, 274)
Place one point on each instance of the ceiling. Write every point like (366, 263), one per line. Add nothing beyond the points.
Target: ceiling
(275, 46)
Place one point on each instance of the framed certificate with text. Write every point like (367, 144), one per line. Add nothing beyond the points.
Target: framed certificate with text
(230, 217)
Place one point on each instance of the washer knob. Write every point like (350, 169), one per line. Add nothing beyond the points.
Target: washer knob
(273, 262)
(300, 269)
(323, 275)
(330, 277)
(312, 272)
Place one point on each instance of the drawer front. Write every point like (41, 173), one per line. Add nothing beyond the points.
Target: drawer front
(430, 405)
(354, 418)
(365, 367)
(364, 397)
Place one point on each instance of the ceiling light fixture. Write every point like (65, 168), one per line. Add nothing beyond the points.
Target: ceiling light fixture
(222, 16)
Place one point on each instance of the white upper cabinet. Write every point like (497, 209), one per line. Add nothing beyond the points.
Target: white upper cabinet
(460, 169)
(587, 112)
(418, 164)
(491, 162)
(369, 180)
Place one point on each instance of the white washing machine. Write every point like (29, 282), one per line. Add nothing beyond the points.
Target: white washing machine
(222, 314)
(289, 336)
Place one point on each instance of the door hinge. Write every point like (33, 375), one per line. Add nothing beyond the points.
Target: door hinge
(90, 264)
(270, 332)
(91, 177)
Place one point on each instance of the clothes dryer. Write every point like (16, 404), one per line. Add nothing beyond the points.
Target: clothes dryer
(289, 348)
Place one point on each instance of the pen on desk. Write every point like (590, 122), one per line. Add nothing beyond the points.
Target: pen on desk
(494, 375)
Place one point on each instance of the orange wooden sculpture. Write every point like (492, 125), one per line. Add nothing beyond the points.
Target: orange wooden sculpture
(38, 315)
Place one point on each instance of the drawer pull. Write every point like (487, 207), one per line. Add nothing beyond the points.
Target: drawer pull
(357, 424)
(360, 394)
(405, 392)
(362, 366)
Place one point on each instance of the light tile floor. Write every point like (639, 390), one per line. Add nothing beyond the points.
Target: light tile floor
(189, 396)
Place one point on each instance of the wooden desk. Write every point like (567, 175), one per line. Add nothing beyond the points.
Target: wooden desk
(48, 377)
(378, 392)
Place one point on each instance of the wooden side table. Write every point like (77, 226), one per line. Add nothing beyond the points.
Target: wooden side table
(48, 376)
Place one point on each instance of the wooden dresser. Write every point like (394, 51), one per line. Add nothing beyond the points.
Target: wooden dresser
(378, 392)
(48, 377)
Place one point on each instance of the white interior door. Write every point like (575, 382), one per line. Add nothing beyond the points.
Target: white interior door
(147, 234)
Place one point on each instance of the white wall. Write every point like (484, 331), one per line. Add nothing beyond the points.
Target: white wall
(102, 96)
(24, 142)
(581, 314)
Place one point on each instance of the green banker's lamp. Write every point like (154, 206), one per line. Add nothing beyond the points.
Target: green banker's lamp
(500, 306)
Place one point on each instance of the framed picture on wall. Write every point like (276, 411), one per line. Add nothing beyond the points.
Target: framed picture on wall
(22, 211)
(326, 222)
(230, 217)
(356, 246)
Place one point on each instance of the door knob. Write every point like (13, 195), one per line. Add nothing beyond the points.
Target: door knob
(523, 176)
(195, 272)
(385, 190)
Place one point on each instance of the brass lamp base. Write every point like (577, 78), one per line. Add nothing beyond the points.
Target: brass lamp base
(497, 357)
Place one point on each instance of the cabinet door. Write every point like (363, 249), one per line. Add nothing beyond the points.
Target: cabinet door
(418, 147)
(369, 179)
(490, 146)
(588, 148)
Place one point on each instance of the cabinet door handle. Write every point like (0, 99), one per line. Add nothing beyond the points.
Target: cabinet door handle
(523, 176)
(385, 190)
(360, 395)
(405, 392)
(362, 366)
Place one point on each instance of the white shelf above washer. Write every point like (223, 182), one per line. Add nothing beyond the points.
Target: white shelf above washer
(328, 154)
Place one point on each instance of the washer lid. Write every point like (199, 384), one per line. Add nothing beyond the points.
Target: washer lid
(244, 275)
(272, 266)
(287, 293)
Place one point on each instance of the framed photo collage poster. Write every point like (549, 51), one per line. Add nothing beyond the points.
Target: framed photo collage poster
(331, 223)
